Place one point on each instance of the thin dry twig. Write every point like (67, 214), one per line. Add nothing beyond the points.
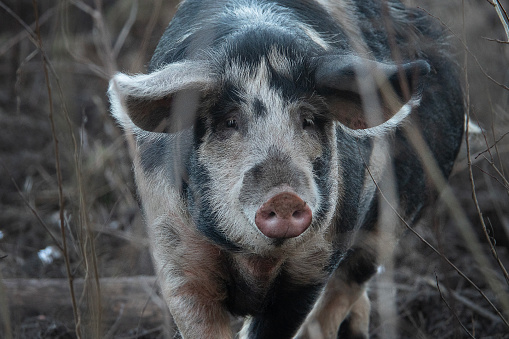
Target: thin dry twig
(496, 40)
(453, 311)
(86, 237)
(502, 15)
(32, 36)
(470, 169)
(460, 272)
(492, 176)
(34, 212)
(468, 50)
(9, 44)
(468, 303)
(101, 41)
(147, 34)
(4, 308)
(125, 30)
(70, 276)
(494, 145)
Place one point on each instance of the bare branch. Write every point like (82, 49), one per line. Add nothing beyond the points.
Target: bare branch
(450, 308)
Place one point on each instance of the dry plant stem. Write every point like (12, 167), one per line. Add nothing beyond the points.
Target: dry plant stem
(59, 174)
(107, 56)
(464, 225)
(154, 288)
(102, 45)
(497, 150)
(470, 171)
(116, 324)
(502, 14)
(470, 304)
(147, 34)
(147, 333)
(7, 46)
(83, 207)
(496, 40)
(453, 312)
(86, 236)
(504, 183)
(494, 145)
(34, 212)
(96, 69)
(468, 50)
(88, 239)
(478, 208)
(4, 309)
(125, 30)
(31, 35)
(437, 251)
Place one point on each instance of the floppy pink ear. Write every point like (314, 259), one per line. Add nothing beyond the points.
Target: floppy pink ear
(364, 93)
(163, 101)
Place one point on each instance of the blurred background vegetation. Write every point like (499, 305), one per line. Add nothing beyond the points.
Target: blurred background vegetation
(56, 58)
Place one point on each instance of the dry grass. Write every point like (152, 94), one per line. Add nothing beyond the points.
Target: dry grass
(66, 181)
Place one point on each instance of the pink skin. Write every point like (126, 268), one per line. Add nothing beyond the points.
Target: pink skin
(285, 215)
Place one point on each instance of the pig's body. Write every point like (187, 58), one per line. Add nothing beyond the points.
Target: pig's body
(254, 128)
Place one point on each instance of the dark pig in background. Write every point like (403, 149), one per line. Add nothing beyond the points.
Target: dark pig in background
(260, 131)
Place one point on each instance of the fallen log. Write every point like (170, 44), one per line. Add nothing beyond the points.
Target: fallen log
(125, 305)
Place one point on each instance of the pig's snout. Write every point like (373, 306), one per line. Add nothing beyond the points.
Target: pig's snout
(285, 215)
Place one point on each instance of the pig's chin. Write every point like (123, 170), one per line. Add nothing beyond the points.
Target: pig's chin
(260, 267)
(258, 245)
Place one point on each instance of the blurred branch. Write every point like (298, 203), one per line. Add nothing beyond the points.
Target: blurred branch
(504, 185)
(490, 147)
(5, 314)
(26, 32)
(493, 250)
(102, 44)
(451, 309)
(45, 65)
(147, 34)
(452, 208)
(125, 30)
(96, 69)
(496, 40)
(502, 15)
(467, 49)
(34, 212)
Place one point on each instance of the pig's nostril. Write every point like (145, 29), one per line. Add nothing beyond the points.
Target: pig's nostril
(285, 215)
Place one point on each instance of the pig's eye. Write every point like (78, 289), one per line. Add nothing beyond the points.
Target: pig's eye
(308, 123)
(232, 123)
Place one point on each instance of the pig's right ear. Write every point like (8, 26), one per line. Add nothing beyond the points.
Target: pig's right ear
(369, 97)
(164, 101)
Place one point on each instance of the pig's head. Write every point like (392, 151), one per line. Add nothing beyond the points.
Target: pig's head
(262, 171)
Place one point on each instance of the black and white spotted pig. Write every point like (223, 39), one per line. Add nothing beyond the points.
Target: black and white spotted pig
(255, 128)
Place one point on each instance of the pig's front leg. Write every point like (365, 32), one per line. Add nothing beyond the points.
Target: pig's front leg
(343, 297)
(197, 316)
(190, 273)
(284, 315)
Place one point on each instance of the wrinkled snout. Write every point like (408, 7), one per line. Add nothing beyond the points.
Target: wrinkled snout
(285, 215)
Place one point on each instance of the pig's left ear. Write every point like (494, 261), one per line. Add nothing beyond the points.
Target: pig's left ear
(369, 96)
(163, 101)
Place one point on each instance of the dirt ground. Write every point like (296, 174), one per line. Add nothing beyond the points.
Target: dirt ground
(55, 63)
